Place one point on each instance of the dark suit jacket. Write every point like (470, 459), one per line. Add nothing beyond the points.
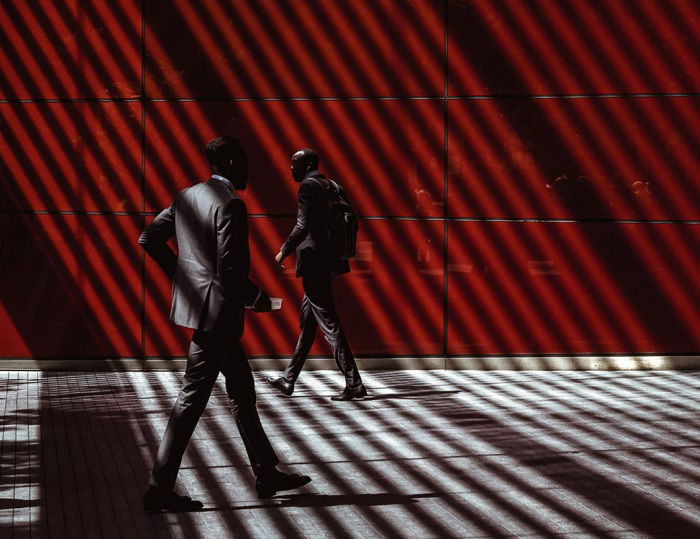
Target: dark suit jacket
(311, 236)
(210, 271)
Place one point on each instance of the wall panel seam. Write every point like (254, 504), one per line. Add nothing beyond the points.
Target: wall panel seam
(486, 97)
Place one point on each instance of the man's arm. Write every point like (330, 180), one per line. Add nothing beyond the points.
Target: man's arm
(154, 240)
(232, 250)
(234, 256)
(306, 192)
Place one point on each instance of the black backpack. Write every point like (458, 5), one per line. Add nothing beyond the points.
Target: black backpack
(342, 223)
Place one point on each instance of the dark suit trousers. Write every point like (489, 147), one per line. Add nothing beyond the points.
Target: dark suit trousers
(212, 352)
(318, 310)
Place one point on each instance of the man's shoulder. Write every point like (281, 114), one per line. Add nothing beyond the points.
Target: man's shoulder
(209, 190)
(192, 190)
(322, 184)
(313, 180)
(314, 183)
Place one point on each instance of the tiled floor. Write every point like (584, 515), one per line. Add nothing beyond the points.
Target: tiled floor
(430, 454)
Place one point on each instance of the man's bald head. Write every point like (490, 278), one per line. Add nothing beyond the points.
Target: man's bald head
(303, 162)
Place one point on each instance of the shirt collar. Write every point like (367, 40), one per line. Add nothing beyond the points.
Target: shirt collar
(224, 180)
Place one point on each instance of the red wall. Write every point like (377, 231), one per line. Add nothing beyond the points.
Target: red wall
(447, 121)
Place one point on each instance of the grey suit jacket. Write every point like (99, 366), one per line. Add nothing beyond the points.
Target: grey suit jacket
(210, 271)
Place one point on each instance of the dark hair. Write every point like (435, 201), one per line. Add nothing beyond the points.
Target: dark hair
(221, 149)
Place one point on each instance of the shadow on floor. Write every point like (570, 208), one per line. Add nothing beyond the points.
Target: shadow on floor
(329, 500)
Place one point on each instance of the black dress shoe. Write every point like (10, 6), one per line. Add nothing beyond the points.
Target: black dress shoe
(287, 388)
(268, 486)
(157, 499)
(350, 393)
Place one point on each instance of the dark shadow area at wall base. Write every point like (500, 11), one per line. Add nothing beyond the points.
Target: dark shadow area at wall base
(72, 364)
(404, 363)
(575, 363)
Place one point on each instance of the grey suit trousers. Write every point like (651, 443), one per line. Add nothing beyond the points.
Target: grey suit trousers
(212, 352)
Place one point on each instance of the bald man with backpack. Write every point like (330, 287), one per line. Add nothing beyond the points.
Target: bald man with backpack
(324, 239)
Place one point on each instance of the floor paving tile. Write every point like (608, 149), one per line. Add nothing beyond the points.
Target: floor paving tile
(427, 454)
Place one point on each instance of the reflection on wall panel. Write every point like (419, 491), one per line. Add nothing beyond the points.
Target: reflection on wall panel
(80, 49)
(387, 154)
(70, 156)
(582, 158)
(572, 288)
(573, 47)
(392, 302)
(70, 286)
(276, 48)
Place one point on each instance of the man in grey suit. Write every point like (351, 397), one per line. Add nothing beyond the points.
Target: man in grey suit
(210, 292)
